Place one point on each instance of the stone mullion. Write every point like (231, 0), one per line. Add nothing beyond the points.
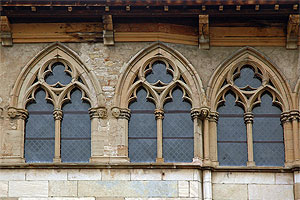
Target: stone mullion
(57, 115)
(213, 123)
(159, 115)
(198, 141)
(248, 117)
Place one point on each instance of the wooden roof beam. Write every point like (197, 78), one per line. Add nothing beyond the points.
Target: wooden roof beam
(108, 31)
(5, 32)
(292, 32)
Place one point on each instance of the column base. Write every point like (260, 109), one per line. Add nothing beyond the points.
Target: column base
(57, 160)
(251, 164)
(160, 160)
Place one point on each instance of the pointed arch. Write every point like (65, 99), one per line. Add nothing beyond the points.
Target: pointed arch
(55, 52)
(254, 58)
(158, 51)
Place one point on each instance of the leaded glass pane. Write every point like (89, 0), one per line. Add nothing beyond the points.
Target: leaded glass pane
(268, 134)
(232, 137)
(247, 78)
(39, 130)
(142, 130)
(76, 130)
(159, 72)
(269, 154)
(58, 75)
(178, 130)
(232, 154)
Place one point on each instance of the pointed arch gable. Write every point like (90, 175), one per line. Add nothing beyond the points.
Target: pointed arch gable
(55, 52)
(155, 51)
(249, 56)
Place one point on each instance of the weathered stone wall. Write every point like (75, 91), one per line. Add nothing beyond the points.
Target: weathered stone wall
(108, 63)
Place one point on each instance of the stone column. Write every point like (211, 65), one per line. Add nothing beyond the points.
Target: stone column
(248, 117)
(57, 115)
(205, 118)
(97, 142)
(198, 141)
(159, 116)
(288, 138)
(213, 122)
(294, 118)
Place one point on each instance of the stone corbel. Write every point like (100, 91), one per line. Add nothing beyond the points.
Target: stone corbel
(214, 116)
(6, 35)
(285, 117)
(17, 113)
(121, 113)
(294, 115)
(98, 112)
(292, 32)
(108, 31)
(203, 32)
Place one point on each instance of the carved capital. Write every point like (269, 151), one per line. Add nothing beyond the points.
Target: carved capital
(285, 117)
(115, 111)
(99, 112)
(195, 113)
(125, 113)
(57, 114)
(159, 113)
(294, 115)
(248, 117)
(17, 113)
(204, 113)
(214, 116)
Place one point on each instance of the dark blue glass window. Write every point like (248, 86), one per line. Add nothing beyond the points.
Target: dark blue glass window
(39, 130)
(268, 141)
(232, 137)
(142, 129)
(76, 130)
(178, 130)
(247, 78)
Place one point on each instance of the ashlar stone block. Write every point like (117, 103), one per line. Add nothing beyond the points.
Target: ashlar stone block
(63, 188)
(28, 189)
(243, 178)
(274, 192)
(3, 188)
(84, 174)
(46, 174)
(128, 188)
(230, 191)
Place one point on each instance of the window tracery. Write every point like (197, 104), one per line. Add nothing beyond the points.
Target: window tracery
(69, 132)
(250, 107)
(56, 80)
(164, 80)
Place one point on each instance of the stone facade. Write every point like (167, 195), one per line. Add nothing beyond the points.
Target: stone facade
(109, 174)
